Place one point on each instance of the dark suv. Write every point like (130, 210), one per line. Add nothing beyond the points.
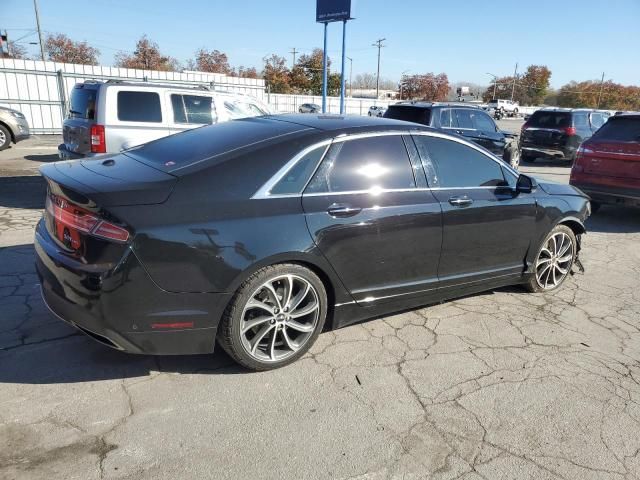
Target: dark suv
(465, 120)
(558, 132)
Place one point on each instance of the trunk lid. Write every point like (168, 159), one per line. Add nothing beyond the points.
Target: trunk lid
(115, 180)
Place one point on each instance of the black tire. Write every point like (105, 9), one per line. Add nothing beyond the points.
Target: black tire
(511, 155)
(533, 285)
(5, 137)
(230, 337)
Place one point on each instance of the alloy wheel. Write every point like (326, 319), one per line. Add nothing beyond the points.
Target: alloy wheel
(3, 138)
(554, 261)
(279, 318)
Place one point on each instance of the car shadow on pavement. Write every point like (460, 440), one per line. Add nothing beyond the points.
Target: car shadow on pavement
(27, 191)
(614, 219)
(45, 158)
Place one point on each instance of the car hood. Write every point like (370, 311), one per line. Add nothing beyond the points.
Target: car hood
(552, 188)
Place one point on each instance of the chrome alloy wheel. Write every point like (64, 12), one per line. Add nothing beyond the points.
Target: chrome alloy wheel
(554, 261)
(279, 318)
(3, 138)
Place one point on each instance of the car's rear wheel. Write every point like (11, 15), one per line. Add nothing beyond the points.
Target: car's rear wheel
(5, 138)
(274, 317)
(554, 260)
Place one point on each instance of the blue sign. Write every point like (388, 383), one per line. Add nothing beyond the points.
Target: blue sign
(333, 10)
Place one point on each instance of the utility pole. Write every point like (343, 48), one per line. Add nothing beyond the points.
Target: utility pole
(294, 51)
(350, 76)
(515, 75)
(35, 6)
(601, 87)
(379, 45)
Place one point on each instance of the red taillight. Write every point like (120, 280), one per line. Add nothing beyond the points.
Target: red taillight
(569, 130)
(98, 144)
(69, 221)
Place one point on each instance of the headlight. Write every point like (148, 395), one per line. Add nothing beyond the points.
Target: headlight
(17, 114)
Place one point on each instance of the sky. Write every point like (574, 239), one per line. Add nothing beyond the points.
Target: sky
(577, 40)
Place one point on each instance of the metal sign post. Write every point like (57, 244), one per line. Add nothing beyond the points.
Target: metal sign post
(333, 11)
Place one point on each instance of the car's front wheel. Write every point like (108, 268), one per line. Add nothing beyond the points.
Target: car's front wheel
(511, 155)
(274, 317)
(554, 260)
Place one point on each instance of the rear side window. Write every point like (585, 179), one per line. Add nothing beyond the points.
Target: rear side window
(541, 119)
(580, 120)
(457, 165)
(409, 114)
(620, 129)
(296, 178)
(191, 109)
(83, 103)
(139, 107)
(364, 164)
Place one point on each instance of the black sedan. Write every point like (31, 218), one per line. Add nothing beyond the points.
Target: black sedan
(260, 232)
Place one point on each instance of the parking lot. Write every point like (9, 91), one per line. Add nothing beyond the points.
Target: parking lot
(499, 385)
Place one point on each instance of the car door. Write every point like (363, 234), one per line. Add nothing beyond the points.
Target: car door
(190, 111)
(486, 133)
(466, 123)
(374, 220)
(486, 225)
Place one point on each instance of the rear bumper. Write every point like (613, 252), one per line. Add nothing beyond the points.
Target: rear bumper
(120, 306)
(610, 195)
(65, 154)
(567, 153)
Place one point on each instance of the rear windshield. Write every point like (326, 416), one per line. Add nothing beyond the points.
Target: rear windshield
(83, 103)
(204, 143)
(550, 119)
(409, 114)
(620, 130)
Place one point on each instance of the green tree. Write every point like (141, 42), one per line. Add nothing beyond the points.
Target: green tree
(311, 65)
(146, 56)
(531, 88)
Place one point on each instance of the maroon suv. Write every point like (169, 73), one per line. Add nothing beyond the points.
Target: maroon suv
(607, 166)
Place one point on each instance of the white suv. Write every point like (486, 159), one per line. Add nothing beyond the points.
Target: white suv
(108, 117)
(505, 106)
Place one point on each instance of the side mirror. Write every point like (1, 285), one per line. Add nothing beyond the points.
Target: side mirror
(526, 184)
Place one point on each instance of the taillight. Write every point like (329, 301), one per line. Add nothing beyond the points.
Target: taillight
(577, 164)
(569, 131)
(69, 221)
(98, 144)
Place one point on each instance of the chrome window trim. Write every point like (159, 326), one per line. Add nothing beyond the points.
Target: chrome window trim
(265, 190)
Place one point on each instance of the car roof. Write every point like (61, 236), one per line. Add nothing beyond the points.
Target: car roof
(569, 110)
(424, 104)
(342, 123)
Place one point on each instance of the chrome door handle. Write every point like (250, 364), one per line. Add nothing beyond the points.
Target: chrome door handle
(460, 201)
(341, 210)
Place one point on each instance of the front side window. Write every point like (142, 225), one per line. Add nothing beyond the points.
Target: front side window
(445, 118)
(191, 109)
(464, 118)
(483, 122)
(457, 165)
(139, 107)
(364, 164)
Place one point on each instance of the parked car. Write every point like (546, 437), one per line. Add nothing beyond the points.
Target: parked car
(505, 107)
(607, 165)
(310, 108)
(108, 117)
(558, 132)
(471, 122)
(258, 232)
(13, 127)
(376, 111)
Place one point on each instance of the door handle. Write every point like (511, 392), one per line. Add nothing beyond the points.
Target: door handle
(460, 201)
(342, 210)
